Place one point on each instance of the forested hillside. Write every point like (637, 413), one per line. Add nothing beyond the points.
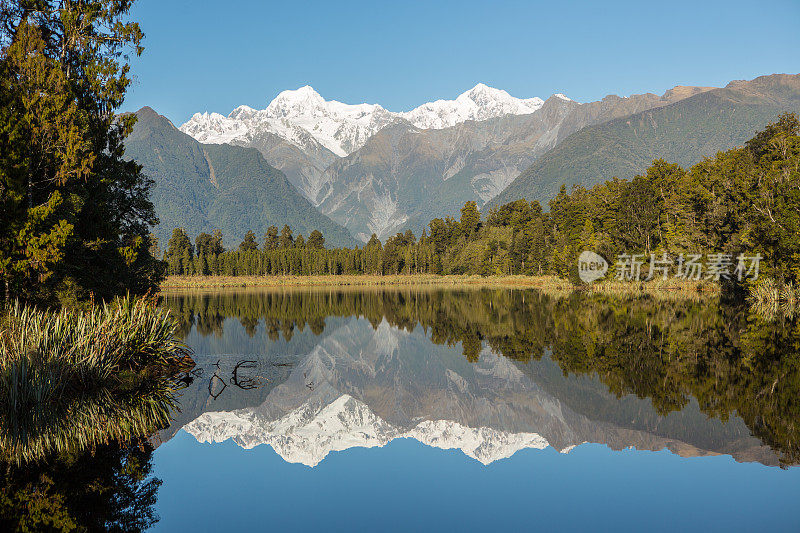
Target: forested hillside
(202, 187)
(741, 203)
(684, 133)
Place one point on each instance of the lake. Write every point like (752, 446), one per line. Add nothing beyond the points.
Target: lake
(448, 409)
(433, 409)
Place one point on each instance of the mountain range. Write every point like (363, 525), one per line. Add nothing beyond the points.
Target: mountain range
(371, 170)
(303, 133)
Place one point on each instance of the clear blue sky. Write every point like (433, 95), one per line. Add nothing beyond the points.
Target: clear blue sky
(216, 55)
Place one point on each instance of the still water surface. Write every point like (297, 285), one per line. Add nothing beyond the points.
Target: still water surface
(463, 410)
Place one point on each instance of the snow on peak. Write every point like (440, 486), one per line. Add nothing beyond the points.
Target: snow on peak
(214, 128)
(302, 116)
(243, 112)
(296, 102)
(479, 103)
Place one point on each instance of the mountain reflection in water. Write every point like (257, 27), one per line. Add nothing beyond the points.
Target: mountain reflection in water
(489, 372)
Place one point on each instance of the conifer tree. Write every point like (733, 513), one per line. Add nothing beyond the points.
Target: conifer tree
(286, 239)
(249, 243)
(76, 215)
(271, 238)
(315, 240)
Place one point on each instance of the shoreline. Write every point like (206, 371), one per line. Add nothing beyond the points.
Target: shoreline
(214, 282)
(545, 283)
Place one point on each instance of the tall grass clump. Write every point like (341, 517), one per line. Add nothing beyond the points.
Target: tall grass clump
(771, 300)
(77, 378)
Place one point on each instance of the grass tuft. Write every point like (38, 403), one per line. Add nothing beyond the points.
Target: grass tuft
(79, 378)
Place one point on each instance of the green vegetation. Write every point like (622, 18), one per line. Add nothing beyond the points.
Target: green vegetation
(80, 393)
(107, 488)
(81, 388)
(682, 133)
(75, 215)
(75, 227)
(741, 202)
(731, 360)
(79, 378)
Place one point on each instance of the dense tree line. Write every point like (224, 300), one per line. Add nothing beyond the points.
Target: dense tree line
(283, 254)
(745, 201)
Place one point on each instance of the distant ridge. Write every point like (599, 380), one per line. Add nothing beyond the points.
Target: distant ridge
(683, 132)
(202, 187)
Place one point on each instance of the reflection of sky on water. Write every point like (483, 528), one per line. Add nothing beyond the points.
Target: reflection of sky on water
(408, 486)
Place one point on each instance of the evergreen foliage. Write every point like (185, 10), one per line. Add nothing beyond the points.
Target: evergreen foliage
(76, 215)
(743, 201)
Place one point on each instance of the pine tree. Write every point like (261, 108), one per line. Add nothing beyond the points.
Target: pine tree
(271, 238)
(316, 241)
(179, 252)
(249, 243)
(286, 239)
(470, 218)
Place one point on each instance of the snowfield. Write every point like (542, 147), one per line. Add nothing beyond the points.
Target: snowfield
(295, 115)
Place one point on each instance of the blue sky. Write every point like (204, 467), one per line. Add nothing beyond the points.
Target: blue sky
(216, 55)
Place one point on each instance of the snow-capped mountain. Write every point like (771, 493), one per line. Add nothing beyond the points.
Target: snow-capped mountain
(303, 117)
(479, 103)
(373, 170)
(312, 413)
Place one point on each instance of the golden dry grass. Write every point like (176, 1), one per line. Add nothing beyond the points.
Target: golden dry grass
(176, 282)
(546, 283)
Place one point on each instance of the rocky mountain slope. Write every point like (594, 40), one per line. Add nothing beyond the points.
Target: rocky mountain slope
(202, 187)
(404, 176)
(683, 132)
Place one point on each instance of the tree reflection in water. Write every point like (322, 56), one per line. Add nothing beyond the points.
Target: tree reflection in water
(86, 465)
(109, 488)
(665, 349)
